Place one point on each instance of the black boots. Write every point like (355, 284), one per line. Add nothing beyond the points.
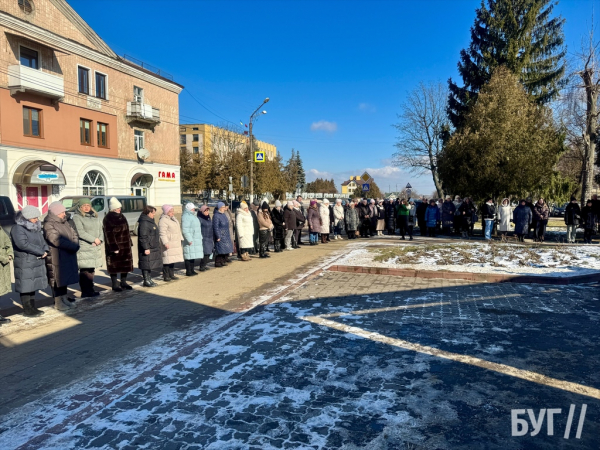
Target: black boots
(277, 246)
(124, 284)
(29, 308)
(172, 272)
(148, 282)
(166, 273)
(189, 268)
(115, 282)
(86, 283)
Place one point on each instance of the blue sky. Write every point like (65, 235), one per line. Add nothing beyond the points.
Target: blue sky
(336, 71)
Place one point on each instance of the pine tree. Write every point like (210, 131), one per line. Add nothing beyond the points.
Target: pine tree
(520, 35)
(291, 173)
(301, 180)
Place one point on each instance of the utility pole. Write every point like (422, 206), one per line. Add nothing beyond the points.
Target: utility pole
(252, 118)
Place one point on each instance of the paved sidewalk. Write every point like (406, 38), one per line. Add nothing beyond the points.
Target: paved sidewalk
(346, 361)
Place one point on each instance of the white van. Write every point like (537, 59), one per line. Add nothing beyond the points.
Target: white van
(133, 205)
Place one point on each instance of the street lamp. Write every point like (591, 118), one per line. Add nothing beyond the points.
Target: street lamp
(252, 118)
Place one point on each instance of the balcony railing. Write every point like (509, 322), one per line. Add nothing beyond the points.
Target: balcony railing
(25, 79)
(142, 112)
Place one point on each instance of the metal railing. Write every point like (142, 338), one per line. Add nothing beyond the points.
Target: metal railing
(148, 67)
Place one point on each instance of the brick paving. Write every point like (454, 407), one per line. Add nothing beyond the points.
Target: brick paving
(271, 378)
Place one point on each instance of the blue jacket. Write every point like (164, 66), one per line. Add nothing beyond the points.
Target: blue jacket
(432, 216)
(221, 231)
(190, 228)
(206, 225)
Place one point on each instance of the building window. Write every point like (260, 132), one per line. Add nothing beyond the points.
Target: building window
(29, 58)
(32, 122)
(102, 129)
(138, 94)
(84, 80)
(195, 129)
(101, 85)
(182, 139)
(196, 150)
(26, 6)
(138, 140)
(93, 183)
(196, 137)
(85, 131)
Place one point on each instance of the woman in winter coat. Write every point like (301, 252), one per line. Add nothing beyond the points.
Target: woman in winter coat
(289, 220)
(504, 217)
(61, 262)
(265, 225)
(192, 239)
(279, 227)
(467, 211)
(118, 245)
(522, 218)
(325, 217)
(590, 219)
(390, 215)
(244, 225)
(380, 216)
(223, 244)
(30, 250)
(169, 231)
(314, 222)
(149, 254)
(300, 221)
(402, 219)
(208, 243)
(432, 217)
(448, 210)
(541, 213)
(352, 220)
(89, 257)
(572, 219)
(338, 219)
(6, 256)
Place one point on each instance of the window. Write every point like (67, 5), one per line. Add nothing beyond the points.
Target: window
(29, 58)
(26, 6)
(84, 80)
(85, 131)
(138, 94)
(196, 150)
(100, 85)
(98, 204)
(182, 139)
(102, 139)
(138, 140)
(195, 129)
(93, 184)
(32, 122)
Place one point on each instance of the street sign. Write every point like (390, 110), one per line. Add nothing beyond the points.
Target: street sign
(408, 186)
(365, 187)
(259, 157)
(230, 187)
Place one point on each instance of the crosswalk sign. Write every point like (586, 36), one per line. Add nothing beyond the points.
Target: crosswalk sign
(366, 187)
(259, 157)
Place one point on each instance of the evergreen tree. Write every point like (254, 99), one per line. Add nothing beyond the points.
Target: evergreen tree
(291, 173)
(301, 180)
(520, 35)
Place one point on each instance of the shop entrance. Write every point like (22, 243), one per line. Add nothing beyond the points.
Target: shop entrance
(34, 182)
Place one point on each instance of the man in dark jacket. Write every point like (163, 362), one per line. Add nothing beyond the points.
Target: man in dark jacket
(303, 212)
(572, 219)
(278, 227)
(590, 219)
(488, 215)
(364, 216)
(254, 211)
(421, 209)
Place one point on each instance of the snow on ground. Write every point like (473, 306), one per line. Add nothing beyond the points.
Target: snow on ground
(481, 258)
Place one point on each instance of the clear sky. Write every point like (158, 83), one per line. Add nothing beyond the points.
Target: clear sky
(336, 71)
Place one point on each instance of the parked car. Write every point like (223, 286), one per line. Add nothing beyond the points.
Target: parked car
(7, 214)
(559, 211)
(133, 205)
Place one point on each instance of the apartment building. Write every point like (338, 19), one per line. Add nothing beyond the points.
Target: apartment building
(204, 138)
(75, 118)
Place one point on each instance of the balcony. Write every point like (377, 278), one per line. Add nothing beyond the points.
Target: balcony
(142, 112)
(25, 79)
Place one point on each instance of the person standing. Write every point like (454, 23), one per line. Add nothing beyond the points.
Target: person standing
(421, 210)
(364, 216)
(118, 245)
(254, 211)
(169, 231)
(390, 217)
(303, 212)
(402, 218)
(208, 243)
(314, 222)
(289, 219)
(61, 262)
(192, 239)
(504, 217)
(149, 254)
(467, 212)
(6, 256)
(300, 221)
(373, 217)
(265, 227)
(488, 214)
(279, 227)
(590, 219)
(432, 217)
(30, 250)
(572, 219)
(448, 210)
(231, 218)
(325, 217)
(412, 218)
(338, 219)
(89, 257)
(457, 221)
(244, 226)
(352, 220)
(541, 213)
(522, 217)
(380, 213)
(223, 244)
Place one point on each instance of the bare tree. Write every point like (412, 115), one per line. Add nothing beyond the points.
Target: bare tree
(421, 123)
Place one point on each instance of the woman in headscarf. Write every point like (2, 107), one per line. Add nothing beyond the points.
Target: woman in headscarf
(504, 217)
(192, 239)
(208, 243)
(30, 250)
(279, 227)
(265, 227)
(149, 254)
(223, 244)
(89, 257)
(338, 219)
(300, 221)
(352, 221)
(61, 262)
(169, 231)
(244, 226)
(314, 222)
(325, 217)
(118, 245)
(289, 219)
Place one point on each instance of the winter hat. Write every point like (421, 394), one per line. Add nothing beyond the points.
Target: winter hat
(264, 205)
(113, 204)
(277, 203)
(326, 202)
(372, 201)
(448, 197)
(166, 209)
(30, 212)
(573, 198)
(190, 206)
(313, 202)
(84, 201)
(220, 205)
(256, 203)
(339, 200)
(456, 197)
(203, 208)
(290, 204)
(244, 205)
(296, 204)
(56, 208)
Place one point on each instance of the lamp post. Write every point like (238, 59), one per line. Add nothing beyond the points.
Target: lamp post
(252, 118)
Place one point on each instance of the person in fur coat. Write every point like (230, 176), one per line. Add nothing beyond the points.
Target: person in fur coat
(118, 245)
(279, 227)
(89, 257)
(169, 231)
(244, 225)
(325, 218)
